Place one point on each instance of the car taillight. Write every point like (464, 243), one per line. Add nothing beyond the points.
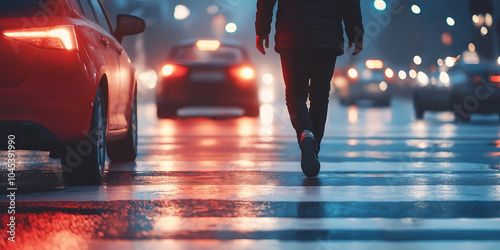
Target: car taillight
(59, 37)
(173, 70)
(389, 73)
(352, 73)
(243, 73)
(495, 79)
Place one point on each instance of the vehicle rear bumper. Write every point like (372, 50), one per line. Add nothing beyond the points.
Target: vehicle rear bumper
(181, 96)
(56, 95)
(478, 102)
(435, 99)
(28, 136)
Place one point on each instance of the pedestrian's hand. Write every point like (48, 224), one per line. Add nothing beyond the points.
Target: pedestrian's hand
(358, 47)
(260, 41)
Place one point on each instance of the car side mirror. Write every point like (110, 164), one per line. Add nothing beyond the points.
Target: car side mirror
(127, 25)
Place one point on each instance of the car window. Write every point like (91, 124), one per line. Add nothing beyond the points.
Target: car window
(221, 55)
(87, 10)
(30, 8)
(101, 16)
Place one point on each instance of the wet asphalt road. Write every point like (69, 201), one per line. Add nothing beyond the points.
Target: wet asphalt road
(229, 182)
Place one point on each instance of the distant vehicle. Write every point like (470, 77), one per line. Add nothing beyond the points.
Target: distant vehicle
(66, 84)
(367, 80)
(465, 89)
(207, 73)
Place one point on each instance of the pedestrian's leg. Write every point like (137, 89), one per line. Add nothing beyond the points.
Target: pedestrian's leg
(296, 81)
(319, 92)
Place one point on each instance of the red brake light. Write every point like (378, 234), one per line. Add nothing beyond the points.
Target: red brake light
(495, 79)
(352, 73)
(243, 73)
(477, 79)
(59, 37)
(173, 70)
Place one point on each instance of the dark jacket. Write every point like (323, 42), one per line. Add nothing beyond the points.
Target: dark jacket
(311, 23)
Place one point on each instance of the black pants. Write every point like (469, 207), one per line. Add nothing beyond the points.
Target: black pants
(308, 72)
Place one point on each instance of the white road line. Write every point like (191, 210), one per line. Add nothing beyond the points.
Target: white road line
(270, 193)
(142, 166)
(172, 224)
(289, 245)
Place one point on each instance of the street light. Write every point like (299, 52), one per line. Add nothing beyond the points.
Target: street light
(415, 9)
(417, 60)
(380, 4)
(231, 27)
(484, 31)
(450, 21)
(181, 12)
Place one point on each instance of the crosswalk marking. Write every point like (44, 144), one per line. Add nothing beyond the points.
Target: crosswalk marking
(173, 166)
(272, 193)
(319, 244)
(171, 223)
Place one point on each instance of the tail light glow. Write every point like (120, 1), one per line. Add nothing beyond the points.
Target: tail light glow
(59, 37)
(172, 70)
(352, 73)
(495, 79)
(389, 73)
(244, 73)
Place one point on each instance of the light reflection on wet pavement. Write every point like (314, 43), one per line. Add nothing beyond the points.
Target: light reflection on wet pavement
(230, 182)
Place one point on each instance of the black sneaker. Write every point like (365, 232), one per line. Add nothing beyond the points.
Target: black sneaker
(309, 160)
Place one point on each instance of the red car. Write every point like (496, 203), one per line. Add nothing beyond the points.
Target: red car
(66, 84)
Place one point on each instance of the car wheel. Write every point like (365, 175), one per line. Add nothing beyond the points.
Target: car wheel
(126, 149)
(165, 112)
(460, 115)
(84, 162)
(419, 111)
(383, 103)
(252, 111)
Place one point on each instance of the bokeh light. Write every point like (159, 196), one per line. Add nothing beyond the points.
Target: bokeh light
(417, 60)
(380, 4)
(416, 9)
(231, 27)
(181, 12)
(450, 21)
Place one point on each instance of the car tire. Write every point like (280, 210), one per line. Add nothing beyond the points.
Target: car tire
(84, 162)
(125, 150)
(419, 111)
(383, 103)
(252, 111)
(460, 117)
(164, 112)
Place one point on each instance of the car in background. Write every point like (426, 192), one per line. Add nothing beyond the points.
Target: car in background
(366, 80)
(66, 84)
(207, 73)
(464, 89)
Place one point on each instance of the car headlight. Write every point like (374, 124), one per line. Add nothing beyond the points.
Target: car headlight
(444, 78)
(423, 78)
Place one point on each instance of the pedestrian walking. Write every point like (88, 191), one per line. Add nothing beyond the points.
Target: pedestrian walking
(309, 38)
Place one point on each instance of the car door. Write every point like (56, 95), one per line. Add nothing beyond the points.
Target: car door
(111, 50)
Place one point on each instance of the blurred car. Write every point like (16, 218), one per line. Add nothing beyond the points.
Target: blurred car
(207, 73)
(67, 85)
(464, 89)
(367, 80)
